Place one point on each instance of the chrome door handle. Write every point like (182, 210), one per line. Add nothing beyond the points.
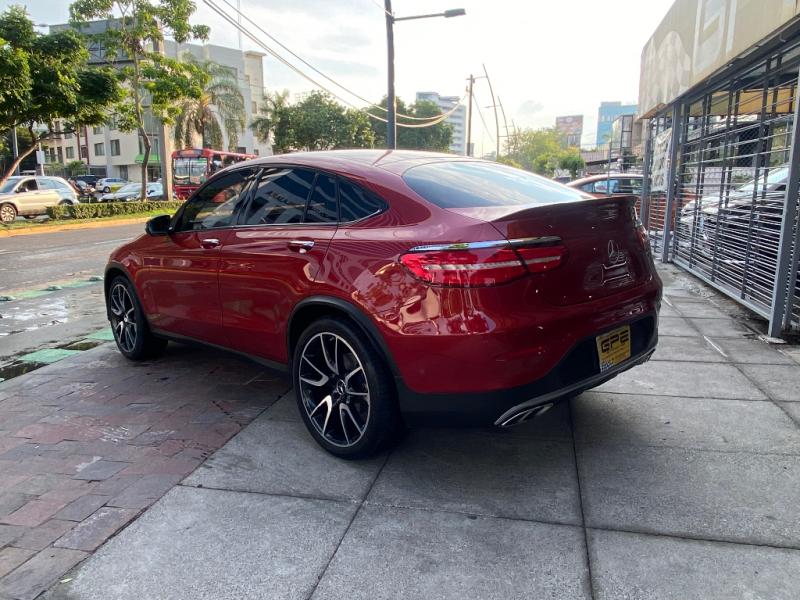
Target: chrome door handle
(302, 246)
(209, 243)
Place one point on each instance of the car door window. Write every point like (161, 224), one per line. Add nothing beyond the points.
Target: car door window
(630, 186)
(280, 197)
(215, 205)
(29, 185)
(322, 204)
(588, 187)
(356, 203)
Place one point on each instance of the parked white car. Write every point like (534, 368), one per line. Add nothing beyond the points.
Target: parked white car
(32, 196)
(109, 184)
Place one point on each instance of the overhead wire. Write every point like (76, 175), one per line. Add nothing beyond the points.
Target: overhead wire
(312, 67)
(483, 120)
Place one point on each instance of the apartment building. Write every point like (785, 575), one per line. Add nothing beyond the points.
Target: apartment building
(109, 152)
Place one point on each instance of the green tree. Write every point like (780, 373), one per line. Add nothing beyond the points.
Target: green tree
(436, 137)
(133, 38)
(46, 86)
(75, 167)
(571, 160)
(543, 151)
(318, 122)
(272, 125)
(198, 115)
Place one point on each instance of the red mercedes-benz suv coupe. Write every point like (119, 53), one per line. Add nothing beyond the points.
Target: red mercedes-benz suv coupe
(396, 287)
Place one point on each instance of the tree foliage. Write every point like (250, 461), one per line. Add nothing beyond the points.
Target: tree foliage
(317, 122)
(435, 137)
(220, 108)
(45, 83)
(543, 151)
(132, 41)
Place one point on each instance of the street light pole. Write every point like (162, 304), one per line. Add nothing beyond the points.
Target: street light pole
(391, 102)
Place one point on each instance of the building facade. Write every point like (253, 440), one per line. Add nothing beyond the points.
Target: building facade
(109, 152)
(607, 113)
(719, 99)
(458, 119)
(571, 127)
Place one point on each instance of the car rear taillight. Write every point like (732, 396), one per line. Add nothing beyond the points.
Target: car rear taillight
(480, 264)
(644, 238)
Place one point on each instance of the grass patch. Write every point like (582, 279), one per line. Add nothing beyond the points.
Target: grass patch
(33, 224)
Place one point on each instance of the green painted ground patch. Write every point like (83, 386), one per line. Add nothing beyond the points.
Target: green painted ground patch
(47, 356)
(104, 334)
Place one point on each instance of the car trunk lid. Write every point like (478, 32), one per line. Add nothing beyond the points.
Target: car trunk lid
(605, 252)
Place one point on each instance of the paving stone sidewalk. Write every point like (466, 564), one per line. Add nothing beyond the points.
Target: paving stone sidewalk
(88, 443)
(677, 480)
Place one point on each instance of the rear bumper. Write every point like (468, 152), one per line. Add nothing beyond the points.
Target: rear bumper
(576, 372)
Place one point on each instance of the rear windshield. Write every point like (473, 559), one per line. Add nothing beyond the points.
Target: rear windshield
(463, 184)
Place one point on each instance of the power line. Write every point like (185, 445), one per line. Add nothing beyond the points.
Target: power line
(429, 123)
(240, 15)
(485, 126)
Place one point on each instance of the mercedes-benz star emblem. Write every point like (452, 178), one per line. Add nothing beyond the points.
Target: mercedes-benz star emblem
(615, 254)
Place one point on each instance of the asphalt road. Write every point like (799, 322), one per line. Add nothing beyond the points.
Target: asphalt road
(29, 264)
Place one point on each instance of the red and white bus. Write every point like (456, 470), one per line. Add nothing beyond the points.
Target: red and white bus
(192, 166)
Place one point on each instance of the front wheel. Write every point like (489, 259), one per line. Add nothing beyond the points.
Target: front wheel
(131, 333)
(8, 213)
(344, 391)
(106, 190)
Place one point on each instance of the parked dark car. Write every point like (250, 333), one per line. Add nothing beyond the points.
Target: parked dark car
(88, 179)
(396, 287)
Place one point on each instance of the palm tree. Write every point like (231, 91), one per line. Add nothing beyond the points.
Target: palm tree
(219, 108)
(273, 121)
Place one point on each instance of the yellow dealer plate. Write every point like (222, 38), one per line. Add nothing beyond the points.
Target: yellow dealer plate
(614, 347)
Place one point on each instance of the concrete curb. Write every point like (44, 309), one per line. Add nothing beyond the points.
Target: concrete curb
(68, 226)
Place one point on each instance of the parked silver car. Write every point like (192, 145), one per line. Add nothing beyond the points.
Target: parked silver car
(31, 196)
(133, 192)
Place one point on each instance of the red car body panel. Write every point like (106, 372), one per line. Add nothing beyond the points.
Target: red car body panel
(437, 340)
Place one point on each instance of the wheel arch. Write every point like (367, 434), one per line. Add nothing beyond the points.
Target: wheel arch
(114, 270)
(316, 307)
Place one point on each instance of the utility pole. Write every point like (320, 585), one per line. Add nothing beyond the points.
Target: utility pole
(391, 103)
(503, 112)
(469, 116)
(496, 119)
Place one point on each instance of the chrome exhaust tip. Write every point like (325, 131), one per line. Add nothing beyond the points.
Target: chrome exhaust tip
(526, 415)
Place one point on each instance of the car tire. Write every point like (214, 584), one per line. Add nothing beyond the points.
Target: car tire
(131, 332)
(65, 203)
(345, 392)
(8, 213)
(106, 190)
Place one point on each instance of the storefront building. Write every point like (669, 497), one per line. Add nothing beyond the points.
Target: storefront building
(718, 96)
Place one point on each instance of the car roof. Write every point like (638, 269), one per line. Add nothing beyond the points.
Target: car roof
(604, 176)
(358, 161)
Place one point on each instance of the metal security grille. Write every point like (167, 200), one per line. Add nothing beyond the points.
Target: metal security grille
(656, 166)
(730, 183)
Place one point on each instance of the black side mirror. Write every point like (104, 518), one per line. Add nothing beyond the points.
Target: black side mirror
(159, 225)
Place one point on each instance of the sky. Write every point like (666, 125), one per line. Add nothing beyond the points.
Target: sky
(545, 58)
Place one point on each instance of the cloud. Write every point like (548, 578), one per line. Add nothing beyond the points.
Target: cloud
(529, 108)
(344, 40)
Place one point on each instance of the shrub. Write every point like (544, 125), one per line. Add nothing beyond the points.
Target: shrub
(109, 209)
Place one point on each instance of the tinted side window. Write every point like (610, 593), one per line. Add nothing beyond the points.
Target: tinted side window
(356, 203)
(463, 184)
(322, 205)
(215, 205)
(630, 186)
(588, 187)
(280, 197)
